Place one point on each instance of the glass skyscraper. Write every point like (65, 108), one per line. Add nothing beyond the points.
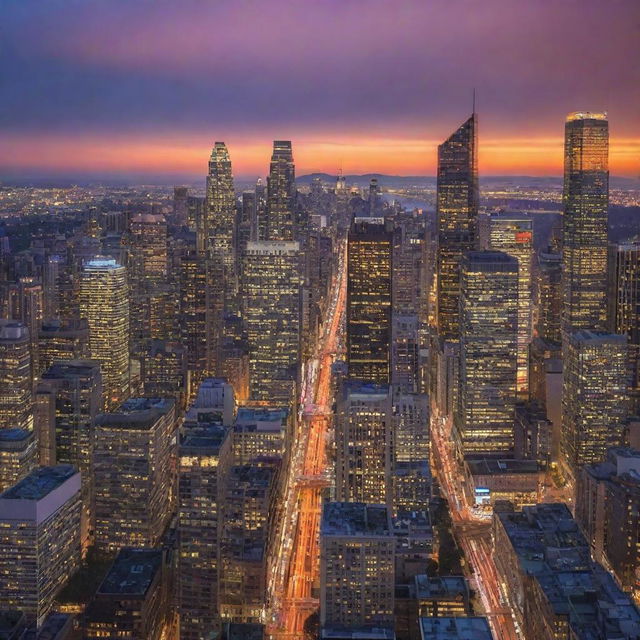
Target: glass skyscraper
(281, 193)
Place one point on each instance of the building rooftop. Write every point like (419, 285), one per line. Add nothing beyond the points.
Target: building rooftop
(203, 440)
(102, 263)
(71, 369)
(15, 434)
(39, 483)
(264, 418)
(132, 572)
(11, 622)
(244, 631)
(473, 628)
(361, 387)
(136, 413)
(357, 633)
(493, 466)
(355, 519)
(441, 587)
(12, 331)
(55, 627)
(597, 337)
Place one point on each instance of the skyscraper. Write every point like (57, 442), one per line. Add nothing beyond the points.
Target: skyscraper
(513, 234)
(595, 396)
(369, 277)
(549, 290)
(16, 398)
(457, 212)
(488, 352)
(586, 201)
(271, 295)
(104, 302)
(221, 208)
(281, 194)
(624, 305)
(364, 444)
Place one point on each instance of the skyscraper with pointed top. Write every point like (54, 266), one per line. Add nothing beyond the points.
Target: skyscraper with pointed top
(221, 206)
(457, 212)
(281, 193)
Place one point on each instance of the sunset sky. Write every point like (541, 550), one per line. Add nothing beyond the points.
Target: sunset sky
(146, 87)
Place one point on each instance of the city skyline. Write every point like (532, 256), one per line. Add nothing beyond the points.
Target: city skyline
(358, 87)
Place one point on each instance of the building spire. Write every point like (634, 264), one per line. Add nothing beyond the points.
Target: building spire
(473, 106)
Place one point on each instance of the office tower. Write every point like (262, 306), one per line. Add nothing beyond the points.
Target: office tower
(549, 290)
(221, 208)
(586, 202)
(16, 398)
(513, 235)
(369, 275)
(364, 427)
(63, 339)
(281, 194)
(624, 305)
(133, 600)
(373, 201)
(457, 212)
(147, 250)
(39, 539)
(180, 206)
(133, 476)
(164, 371)
(28, 307)
(195, 210)
(405, 352)
(408, 263)
(104, 302)
(261, 210)
(271, 295)
(488, 352)
(261, 432)
(215, 400)
(203, 453)
(246, 225)
(74, 389)
(562, 594)
(245, 508)
(411, 427)
(356, 565)
(607, 501)
(18, 455)
(595, 396)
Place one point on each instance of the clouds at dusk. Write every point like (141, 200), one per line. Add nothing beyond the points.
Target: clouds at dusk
(357, 83)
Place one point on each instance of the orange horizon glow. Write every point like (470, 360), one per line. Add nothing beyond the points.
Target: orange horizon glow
(398, 156)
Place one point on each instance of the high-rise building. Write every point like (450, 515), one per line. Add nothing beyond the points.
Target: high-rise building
(74, 387)
(488, 352)
(549, 291)
(134, 481)
(586, 201)
(133, 600)
(245, 507)
(595, 396)
(405, 352)
(221, 208)
(18, 455)
(180, 206)
(457, 212)
(271, 295)
(513, 234)
(364, 432)
(356, 565)
(66, 339)
(104, 302)
(147, 250)
(624, 305)
(27, 306)
(281, 194)
(202, 455)
(39, 539)
(16, 398)
(261, 432)
(369, 277)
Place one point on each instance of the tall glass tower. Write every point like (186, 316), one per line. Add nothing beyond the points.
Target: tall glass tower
(457, 212)
(586, 201)
(281, 193)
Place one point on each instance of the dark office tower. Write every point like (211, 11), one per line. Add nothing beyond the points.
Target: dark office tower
(374, 197)
(147, 250)
(271, 295)
(624, 305)
(16, 398)
(74, 388)
(586, 201)
(549, 291)
(202, 454)
(221, 207)
(281, 193)
(369, 274)
(180, 206)
(195, 210)
(27, 306)
(66, 339)
(595, 396)
(246, 225)
(488, 352)
(457, 212)
(261, 210)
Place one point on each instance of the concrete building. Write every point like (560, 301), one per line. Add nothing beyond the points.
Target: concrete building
(66, 339)
(261, 432)
(356, 565)
(472, 628)
(39, 539)
(134, 482)
(16, 398)
(18, 456)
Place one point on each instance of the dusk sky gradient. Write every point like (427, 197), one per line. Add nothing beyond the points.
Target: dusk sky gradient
(367, 85)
